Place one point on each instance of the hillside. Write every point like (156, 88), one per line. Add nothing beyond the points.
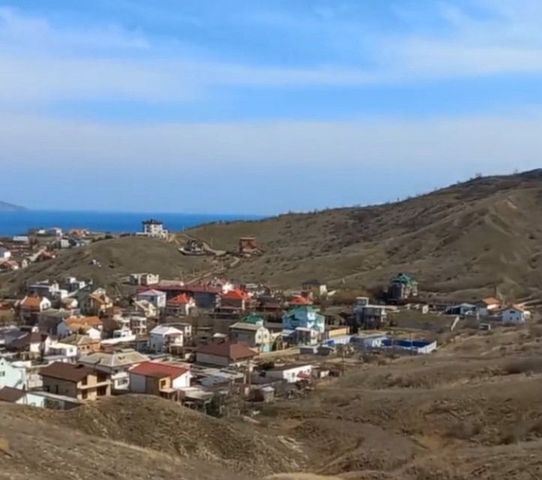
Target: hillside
(135, 437)
(470, 410)
(35, 449)
(462, 241)
(9, 207)
(116, 258)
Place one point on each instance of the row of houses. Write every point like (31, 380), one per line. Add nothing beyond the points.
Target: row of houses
(67, 384)
(492, 308)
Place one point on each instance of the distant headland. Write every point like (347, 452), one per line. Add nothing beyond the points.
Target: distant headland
(9, 207)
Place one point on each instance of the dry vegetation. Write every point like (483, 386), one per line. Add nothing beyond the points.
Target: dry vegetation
(136, 437)
(460, 241)
(117, 257)
(463, 241)
(459, 414)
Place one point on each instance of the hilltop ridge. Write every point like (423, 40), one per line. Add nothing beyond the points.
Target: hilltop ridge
(462, 241)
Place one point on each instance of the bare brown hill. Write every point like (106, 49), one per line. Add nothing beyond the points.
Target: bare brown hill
(37, 449)
(471, 410)
(462, 241)
(108, 263)
(468, 411)
(136, 437)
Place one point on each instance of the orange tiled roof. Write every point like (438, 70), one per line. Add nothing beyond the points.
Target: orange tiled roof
(182, 299)
(80, 323)
(32, 302)
(235, 294)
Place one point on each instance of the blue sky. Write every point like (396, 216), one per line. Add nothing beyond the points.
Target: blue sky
(262, 107)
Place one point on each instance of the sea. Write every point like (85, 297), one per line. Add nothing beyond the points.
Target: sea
(18, 223)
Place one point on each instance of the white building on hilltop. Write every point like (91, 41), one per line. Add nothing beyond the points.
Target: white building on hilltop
(154, 228)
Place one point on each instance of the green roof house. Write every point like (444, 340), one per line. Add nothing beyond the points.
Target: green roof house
(402, 286)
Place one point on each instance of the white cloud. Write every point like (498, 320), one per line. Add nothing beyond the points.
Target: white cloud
(42, 62)
(506, 38)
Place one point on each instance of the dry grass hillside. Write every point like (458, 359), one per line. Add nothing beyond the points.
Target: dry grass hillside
(460, 241)
(136, 437)
(471, 410)
(36, 449)
(117, 258)
(463, 240)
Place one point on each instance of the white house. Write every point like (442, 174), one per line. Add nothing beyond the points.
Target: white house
(91, 326)
(138, 324)
(181, 305)
(5, 254)
(253, 335)
(11, 376)
(514, 315)
(115, 364)
(45, 288)
(144, 307)
(154, 228)
(155, 297)
(144, 279)
(65, 350)
(291, 373)
(120, 336)
(163, 337)
(186, 328)
(31, 344)
(21, 397)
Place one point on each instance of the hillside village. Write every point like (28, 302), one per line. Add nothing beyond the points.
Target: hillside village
(215, 345)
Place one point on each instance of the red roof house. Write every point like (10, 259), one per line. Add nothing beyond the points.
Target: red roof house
(182, 305)
(159, 378)
(235, 299)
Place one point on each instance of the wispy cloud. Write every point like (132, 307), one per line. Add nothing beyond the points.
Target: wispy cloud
(504, 37)
(45, 62)
(33, 34)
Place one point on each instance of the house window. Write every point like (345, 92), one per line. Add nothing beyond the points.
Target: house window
(2, 373)
(84, 394)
